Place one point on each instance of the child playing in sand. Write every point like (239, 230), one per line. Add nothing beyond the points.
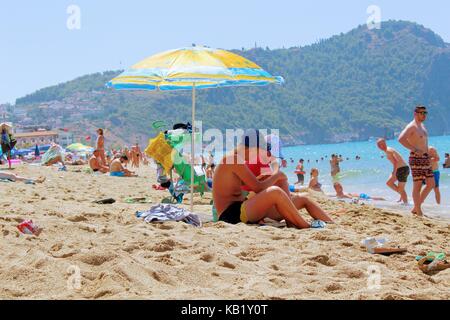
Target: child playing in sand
(434, 157)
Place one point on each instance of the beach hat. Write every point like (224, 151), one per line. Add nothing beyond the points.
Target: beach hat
(7, 126)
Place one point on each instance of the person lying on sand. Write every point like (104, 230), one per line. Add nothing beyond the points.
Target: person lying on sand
(341, 195)
(96, 163)
(13, 177)
(74, 162)
(270, 201)
(117, 169)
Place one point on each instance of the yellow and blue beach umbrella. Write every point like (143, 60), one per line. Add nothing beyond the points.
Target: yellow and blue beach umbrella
(186, 68)
(190, 69)
(79, 148)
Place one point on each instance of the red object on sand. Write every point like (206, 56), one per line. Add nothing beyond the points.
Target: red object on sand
(28, 227)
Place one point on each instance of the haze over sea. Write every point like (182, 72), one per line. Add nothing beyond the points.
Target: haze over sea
(369, 175)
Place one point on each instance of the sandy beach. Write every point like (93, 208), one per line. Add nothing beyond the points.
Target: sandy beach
(118, 256)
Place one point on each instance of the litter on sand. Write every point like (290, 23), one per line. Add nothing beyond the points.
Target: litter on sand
(379, 246)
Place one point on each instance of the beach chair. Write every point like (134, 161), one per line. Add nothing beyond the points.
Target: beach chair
(165, 150)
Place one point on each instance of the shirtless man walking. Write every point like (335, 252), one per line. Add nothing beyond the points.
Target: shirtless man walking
(415, 138)
(400, 172)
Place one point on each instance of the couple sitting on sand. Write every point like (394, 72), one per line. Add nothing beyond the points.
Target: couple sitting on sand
(115, 170)
(270, 196)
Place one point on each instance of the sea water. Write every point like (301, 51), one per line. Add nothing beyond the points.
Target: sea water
(369, 174)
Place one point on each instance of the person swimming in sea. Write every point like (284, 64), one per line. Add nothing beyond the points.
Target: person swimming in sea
(300, 172)
(314, 183)
(334, 164)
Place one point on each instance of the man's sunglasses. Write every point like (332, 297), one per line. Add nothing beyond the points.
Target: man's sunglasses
(424, 113)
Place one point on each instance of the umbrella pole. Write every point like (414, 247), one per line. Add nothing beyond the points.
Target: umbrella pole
(192, 147)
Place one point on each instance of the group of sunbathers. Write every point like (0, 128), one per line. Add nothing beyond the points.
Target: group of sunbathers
(115, 169)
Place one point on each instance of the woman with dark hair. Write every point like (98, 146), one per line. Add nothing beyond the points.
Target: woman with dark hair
(7, 141)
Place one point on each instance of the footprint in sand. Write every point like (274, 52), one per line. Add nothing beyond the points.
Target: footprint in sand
(228, 265)
(347, 244)
(324, 260)
(161, 277)
(278, 282)
(77, 218)
(87, 228)
(163, 226)
(353, 274)
(333, 287)
(166, 245)
(96, 259)
(275, 267)
(207, 257)
(165, 259)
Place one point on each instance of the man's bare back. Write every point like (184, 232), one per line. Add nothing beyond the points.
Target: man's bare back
(395, 158)
(116, 166)
(229, 190)
(93, 163)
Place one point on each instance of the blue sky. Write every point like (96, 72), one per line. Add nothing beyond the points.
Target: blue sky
(37, 49)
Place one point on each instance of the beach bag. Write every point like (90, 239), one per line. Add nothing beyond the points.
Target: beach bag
(160, 151)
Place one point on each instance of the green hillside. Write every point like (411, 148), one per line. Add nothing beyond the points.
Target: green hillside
(350, 87)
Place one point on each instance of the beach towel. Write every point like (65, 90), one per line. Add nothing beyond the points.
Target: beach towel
(117, 174)
(52, 153)
(169, 212)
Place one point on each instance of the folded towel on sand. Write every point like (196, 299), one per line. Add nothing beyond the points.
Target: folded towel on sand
(168, 212)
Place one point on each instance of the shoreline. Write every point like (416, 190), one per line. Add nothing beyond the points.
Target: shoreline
(392, 207)
(121, 257)
(289, 145)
